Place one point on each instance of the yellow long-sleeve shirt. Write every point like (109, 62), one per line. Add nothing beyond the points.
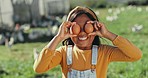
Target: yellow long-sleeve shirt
(124, 51)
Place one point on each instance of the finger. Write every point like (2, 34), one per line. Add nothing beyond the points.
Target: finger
(92, 22)
(62, 26)
(101, 24)
(67, 30)
(73, 23)
(93, 33)
(70, 35)
(96, 26)
(68, 24)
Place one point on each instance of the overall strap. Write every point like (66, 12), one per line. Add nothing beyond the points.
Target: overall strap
(91, 73)
(69, 55)
(94, 55)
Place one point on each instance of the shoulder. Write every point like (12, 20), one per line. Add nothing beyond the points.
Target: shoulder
(106, 48)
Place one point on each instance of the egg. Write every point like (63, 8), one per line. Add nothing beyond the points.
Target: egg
(89, 28)
(75, 29)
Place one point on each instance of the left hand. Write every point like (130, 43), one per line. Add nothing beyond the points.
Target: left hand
(100, 29)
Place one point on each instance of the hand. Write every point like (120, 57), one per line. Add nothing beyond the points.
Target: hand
(64, 32)
(102, 31)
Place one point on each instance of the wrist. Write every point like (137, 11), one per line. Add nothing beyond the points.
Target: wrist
(59, 38)
(54, 42)
(111, 36)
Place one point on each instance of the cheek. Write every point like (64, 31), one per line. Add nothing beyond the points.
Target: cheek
(91, 39)
(74, 40)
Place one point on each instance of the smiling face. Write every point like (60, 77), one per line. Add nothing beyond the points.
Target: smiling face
(82, 41)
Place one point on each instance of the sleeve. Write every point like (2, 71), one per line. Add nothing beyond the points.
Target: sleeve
(47, 59)
(124, 50)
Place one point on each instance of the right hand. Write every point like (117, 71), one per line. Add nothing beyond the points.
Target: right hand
(64, 32)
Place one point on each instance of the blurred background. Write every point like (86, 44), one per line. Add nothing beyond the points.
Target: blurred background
(26, 26)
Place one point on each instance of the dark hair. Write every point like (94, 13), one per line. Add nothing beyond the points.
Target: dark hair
(68, 41)
(76, 14)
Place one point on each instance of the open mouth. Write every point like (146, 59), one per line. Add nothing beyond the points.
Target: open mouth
(82, 38)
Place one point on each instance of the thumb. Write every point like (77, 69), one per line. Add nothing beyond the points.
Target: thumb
(99, 33)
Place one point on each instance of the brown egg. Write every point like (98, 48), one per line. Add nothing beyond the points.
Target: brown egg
(89, 28)
(75, 29)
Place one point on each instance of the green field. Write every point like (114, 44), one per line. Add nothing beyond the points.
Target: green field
(17, 62)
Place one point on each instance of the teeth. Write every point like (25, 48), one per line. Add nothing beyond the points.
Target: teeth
(82, 38)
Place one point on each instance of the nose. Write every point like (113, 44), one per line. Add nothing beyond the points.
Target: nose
(82, 32)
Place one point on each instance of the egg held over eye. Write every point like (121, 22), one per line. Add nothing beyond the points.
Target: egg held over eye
(89, 28)
(75, 29)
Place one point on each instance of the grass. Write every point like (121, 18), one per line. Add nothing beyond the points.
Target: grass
(17, 62)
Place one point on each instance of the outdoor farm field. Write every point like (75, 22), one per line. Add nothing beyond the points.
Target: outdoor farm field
(17, 62)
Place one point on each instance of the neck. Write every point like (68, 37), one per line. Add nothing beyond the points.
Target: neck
(83, 48)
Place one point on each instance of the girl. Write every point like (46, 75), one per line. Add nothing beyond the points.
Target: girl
(82, 55)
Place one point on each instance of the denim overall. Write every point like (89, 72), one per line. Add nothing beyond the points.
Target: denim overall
(90, 73)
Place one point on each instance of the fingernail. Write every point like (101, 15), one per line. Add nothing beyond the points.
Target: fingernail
(88, 21)
(74, 22)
